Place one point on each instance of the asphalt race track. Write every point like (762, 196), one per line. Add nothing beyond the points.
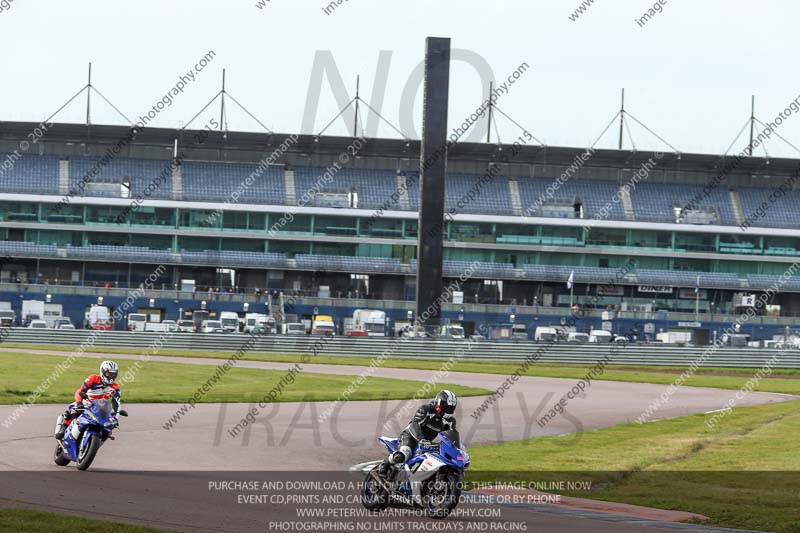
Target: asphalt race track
(159, 477)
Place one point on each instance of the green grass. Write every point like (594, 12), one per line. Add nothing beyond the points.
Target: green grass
(16, 520)
(744, 473)
(21, 374)
(783, 380)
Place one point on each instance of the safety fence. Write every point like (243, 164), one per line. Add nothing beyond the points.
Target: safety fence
(629, 354)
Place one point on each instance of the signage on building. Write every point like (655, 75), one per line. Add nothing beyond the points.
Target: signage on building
(689, 294)
(660, 289)
(689, 324)
(610, 290)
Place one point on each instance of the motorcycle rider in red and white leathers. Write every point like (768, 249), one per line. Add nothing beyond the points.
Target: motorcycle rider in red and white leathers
(97, 386)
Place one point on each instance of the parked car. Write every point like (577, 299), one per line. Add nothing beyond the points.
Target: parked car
(37, 324)
(62, 322)
(414, 332)
(8, 318)
(29, 319)
(171, 325)
(212, 326)
(102, 325)
(186, 326)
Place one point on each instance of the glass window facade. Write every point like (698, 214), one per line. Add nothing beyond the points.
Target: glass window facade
(161, 228)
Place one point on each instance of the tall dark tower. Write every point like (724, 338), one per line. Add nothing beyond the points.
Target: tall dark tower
(433, 166)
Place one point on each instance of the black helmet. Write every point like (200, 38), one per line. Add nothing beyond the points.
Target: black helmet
(445, 402)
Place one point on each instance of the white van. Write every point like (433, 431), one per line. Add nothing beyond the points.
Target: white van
(600, 336)
(230, 321)
(254, 320)
(546, 333)
(293, 328)
(137, 322)
(577, 337)
(451, 331)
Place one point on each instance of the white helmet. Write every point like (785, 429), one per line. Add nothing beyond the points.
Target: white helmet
(108, 372)
(445, 402)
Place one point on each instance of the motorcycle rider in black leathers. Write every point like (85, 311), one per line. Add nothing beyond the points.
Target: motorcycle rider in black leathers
(428, 422)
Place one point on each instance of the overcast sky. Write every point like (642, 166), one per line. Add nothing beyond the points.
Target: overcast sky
(688, 72)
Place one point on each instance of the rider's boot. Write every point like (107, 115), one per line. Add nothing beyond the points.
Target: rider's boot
(394, 460)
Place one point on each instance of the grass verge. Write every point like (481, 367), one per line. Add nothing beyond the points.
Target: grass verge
(744, 473)
(781, 380)
(157, 382)
(16, 520)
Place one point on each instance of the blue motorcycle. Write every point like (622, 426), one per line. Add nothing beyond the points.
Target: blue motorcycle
(87, 433)
(430, 480)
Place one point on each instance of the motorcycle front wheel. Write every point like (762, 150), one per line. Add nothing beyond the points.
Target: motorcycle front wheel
(373, 495)
(86, 455)
(442, 494)
(58, 456)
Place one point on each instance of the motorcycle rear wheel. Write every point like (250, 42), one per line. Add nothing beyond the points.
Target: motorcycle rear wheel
(58, 456)
(373, 496)
(87, 456)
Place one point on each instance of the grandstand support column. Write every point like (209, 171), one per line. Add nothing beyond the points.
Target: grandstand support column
(433, 167)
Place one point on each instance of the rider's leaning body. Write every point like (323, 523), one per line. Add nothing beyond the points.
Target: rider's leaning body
(97, 386)
(429, 420)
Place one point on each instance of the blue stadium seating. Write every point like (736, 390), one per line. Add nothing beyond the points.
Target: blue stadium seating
(491, 196)
(686, 278)
(347, 263)
(216, 182)
(782, 212)
(595, 196)
(478, 269)
(763, 282)
(27, 249)
(233, 258)
(137, 254)
(150, 178)
(32, 174)
(374, 187)
(561, 273)
(654, 202)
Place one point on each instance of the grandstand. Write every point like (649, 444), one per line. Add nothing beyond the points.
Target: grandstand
(295, 226)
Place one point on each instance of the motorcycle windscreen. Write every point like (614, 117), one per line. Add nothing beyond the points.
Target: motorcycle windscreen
(103, 407)
(453, 436)
(98, 413)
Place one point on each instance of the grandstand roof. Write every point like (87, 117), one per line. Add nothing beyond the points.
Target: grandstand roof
(80, 139)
